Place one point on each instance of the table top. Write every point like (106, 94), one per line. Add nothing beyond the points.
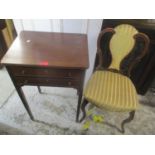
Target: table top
(64, 50)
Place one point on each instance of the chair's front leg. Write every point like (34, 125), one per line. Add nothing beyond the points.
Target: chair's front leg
(129, 119)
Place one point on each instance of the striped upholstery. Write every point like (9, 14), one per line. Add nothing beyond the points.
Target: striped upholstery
(111, 91)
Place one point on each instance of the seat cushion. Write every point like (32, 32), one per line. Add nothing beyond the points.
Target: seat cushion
(111, 91)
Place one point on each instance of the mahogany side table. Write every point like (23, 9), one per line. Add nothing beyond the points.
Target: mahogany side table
(47, 59)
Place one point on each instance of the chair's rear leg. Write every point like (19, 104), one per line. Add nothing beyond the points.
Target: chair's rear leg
(129, 119)
(83, 105)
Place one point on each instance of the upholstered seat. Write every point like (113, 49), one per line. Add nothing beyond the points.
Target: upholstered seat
(113, 91)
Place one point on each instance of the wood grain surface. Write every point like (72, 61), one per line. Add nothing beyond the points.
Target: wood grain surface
(58, 50)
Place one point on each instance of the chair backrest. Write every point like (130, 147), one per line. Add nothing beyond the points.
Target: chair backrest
(121, 43)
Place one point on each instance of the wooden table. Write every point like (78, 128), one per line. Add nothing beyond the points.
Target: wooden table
(47, 59)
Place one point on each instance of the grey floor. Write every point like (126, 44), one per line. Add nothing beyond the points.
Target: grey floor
(55, 110)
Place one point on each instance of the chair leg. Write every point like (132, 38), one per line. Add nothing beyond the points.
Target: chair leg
(129, 119)
(83, 105)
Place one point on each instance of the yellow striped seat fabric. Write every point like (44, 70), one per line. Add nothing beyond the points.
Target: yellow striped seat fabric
(111, 91)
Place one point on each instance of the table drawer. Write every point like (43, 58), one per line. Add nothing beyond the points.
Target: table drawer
(46, 81)
(46, 72)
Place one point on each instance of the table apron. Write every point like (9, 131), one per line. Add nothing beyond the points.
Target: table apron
(46, 82)
(46, 72)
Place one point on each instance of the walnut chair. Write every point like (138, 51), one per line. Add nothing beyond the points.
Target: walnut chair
(110, 87)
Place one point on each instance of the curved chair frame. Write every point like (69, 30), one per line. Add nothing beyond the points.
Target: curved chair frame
(138, 37)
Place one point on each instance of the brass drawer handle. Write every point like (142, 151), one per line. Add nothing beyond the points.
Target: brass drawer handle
(69, 83)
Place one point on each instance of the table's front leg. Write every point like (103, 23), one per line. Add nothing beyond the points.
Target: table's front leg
(79, 92)
(24, 101)
(21, 94)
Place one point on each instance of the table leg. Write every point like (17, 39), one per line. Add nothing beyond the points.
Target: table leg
(39, 89)
(79, 105)
(21, 94)
(22, 97)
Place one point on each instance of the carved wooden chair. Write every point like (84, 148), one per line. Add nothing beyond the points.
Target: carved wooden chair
(110, 87)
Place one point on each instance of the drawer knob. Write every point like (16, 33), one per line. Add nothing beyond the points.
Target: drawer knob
(69, 74)
(26, 81)
(47, 80)
(46, 71)
(23, 72)
(69, 83)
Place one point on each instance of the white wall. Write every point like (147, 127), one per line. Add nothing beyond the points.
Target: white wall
(91, 27)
